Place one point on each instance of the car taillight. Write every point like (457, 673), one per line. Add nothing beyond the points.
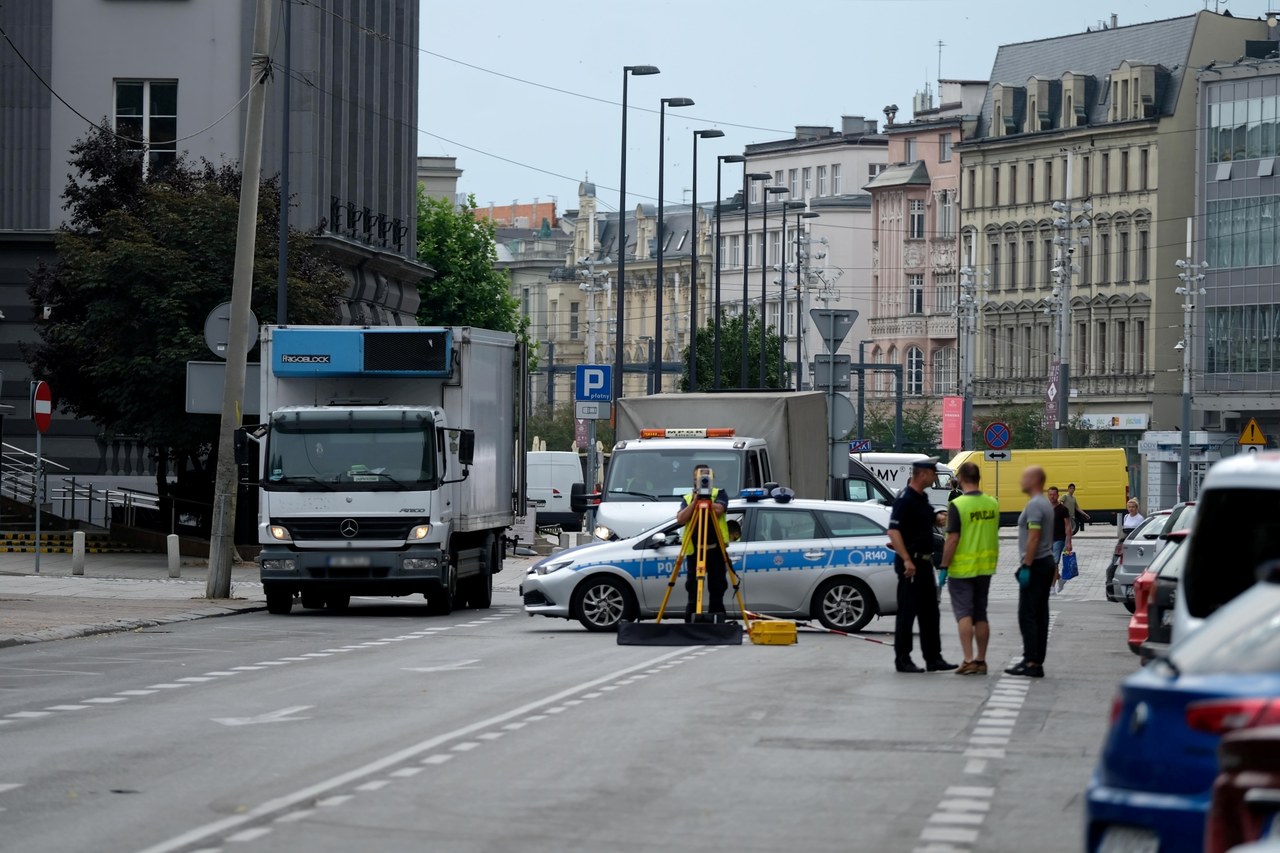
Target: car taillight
(1117, 708)
(556, 492)
(1218, 716)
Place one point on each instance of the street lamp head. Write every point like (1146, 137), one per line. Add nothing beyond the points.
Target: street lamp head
(776, 190)
(641, 70)
(794, 205)
(731, 158)
(677, 102)
(1179, 346)
(758, 176)
(809, 214)
(709, 134)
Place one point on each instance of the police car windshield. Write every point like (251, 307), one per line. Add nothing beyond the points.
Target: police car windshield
(667, 474)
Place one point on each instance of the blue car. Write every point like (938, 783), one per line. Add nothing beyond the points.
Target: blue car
(1151, 789)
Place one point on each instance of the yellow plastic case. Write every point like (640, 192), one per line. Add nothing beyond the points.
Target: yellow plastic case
(773, 633)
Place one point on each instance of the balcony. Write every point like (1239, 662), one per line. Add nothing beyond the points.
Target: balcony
(1102, 386)
(914, 326)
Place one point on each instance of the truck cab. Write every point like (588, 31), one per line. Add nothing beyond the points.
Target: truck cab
(649, 476)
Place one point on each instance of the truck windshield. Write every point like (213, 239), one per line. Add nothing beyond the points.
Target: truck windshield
(657, 474)
(367, 452)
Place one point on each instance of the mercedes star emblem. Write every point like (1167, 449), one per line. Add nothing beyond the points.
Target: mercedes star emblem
(349, 528)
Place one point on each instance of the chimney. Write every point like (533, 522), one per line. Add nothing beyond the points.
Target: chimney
(1273, 25)
(1115, 20)
(853, 125)
(873, 127)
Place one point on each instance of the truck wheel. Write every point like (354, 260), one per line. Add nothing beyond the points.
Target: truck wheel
(843, 604)
(279, 601)
(337, 601)
(440, 601)
(480, 588)
(313, 600)
(600, 603)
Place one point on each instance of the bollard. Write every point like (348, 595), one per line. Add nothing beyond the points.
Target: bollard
(77, 553)
(564, 541)
(175, 559)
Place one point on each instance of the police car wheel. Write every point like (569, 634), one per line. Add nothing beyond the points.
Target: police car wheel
(600, 603)
(843, 604)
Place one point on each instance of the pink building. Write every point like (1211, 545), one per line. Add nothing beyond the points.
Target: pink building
(915, 258)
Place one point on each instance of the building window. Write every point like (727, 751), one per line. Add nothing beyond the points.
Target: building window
(915, 372)
(1140, 347)
(1013, 183)
(1049, 260)
(1031, 182)
(1086, 263)
(1086, 178)
(775, 247)
(755, 192)
(573, 320)
(793, 182)
(777, 178)
(1029, 264)
(995, 186)
(874, 169)
(944, 293)
(892, 358)
(1243, 129)
(734, 256)
(147, 110)
(1082, 348)
(1048, 180)
(822, 180)
(1105, 176)
(1124, 171)
(944, 148)
(1144, 169)
(1100, 339)
(1012, 263)
(1144, 253)
(944, 371)
(1122, 256)
(1241, 232)
(1121, 344)
(916, 222)
(915, 294)
(1104, 258)
(1010, 353)
(946, 210)
(973, 188)
(835, 179)
(808, 182)
(910, 156)
(993, 253)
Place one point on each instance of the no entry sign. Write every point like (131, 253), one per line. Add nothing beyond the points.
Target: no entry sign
(42, 406)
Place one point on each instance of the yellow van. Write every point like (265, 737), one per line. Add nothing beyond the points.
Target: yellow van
(1101, 476)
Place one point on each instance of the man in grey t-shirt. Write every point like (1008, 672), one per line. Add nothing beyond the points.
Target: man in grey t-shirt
(1035, 574)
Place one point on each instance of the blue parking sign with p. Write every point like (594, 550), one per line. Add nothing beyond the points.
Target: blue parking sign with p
(594, 383)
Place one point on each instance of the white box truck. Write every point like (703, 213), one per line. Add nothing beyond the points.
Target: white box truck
(390, 463)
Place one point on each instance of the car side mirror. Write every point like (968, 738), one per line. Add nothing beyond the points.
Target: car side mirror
(657, 540)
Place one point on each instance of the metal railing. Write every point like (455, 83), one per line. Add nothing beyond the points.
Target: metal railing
(21, 476)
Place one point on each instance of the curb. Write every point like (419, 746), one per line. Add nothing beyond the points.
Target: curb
(69, 632)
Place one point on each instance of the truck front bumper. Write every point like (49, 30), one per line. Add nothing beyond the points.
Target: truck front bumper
(401, 572)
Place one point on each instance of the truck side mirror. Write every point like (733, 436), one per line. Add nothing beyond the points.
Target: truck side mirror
(578, 497)
(466, 446)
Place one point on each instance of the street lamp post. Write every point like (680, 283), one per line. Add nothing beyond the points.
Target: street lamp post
(747, 178)
(715, 359)
(765, 192)
(862, 388)
(801, 213)
(619, 349)
(693, 256)
(662, 168)
(1192, 277)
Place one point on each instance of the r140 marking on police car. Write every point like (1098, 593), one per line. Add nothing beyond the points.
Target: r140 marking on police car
(865, 556)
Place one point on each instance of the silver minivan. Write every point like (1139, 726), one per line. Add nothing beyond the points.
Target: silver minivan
(1237, 529)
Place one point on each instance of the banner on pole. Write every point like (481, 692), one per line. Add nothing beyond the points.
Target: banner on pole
(952, 423)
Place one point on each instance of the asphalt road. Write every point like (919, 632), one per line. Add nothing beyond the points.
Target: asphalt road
(384, 729)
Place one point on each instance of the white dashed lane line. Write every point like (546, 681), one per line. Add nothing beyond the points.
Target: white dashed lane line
(393, 768)
(194, 680)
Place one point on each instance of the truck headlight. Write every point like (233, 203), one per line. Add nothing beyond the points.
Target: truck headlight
(282, 565)
(418, 564)
(604, 533)
(422, 531)
(553, 566)
(280, 532)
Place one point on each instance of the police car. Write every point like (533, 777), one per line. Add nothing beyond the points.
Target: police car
(826, 560)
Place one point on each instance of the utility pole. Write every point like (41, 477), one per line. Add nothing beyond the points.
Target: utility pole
(1065, 241)
(282, 263)
(1192, 278)
(591, 287)
(968, 315)
(222, 534)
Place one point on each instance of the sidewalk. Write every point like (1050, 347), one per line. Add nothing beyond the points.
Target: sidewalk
(119, 592)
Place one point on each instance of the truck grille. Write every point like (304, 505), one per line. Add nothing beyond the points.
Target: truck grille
(303, 529)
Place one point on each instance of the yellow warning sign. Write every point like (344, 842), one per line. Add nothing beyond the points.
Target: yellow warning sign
(1252, 434)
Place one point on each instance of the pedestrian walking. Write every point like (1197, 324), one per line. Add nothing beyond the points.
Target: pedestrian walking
(968, 562)
(1078, 516)
(1035, 574)
(1061, 534)
(911, 534)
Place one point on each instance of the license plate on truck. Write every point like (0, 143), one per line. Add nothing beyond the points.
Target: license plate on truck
(1126, 839)
(350, 562)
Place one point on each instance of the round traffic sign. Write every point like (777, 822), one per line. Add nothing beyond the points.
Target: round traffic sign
(997, 435)
(217, 330)
(42, 406)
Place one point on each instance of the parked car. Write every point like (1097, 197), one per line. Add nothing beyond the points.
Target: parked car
(1160, 602)
(551, 476)
(829, 560)
(1138, 550)
(1138, 621)
(1150, 790)
(1237, 528)
(1246, 795)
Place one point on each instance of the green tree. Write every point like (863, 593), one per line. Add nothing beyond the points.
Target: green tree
(731, 355)
(1028, 428)
(467, 290)
(140, 264)
(920, 427)
(555, 426)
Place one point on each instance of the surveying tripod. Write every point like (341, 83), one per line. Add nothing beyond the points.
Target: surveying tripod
(703, 517)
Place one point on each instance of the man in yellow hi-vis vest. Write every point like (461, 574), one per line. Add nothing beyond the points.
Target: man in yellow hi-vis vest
(968, 562)
(717, 568)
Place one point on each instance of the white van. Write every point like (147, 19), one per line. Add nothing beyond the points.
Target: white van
(894, 470)
(1237, 529)
(551, 475)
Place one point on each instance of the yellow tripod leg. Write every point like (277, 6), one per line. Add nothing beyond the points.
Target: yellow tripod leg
(700, 547)
(675, 572)
(733, 576)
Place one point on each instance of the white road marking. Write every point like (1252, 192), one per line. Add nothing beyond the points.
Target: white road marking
(137, 692)
(294, 817)
(9, 786)
(491, 735)
(984, 752)
(219, 674)
(284, 715)
(223, 825)
(437, 759)
(406, 772)
(272, 663)
(513, 727)
(975, 767)
(465, 746)
(28, 715)
(970, 791)
(536, 718)
(196, 679)
(572, 702)
(248, 668)
(166, 686)
(294, 659)
(318, 655)
(957, 817)
(592, 695)
(375, 785)
(68, 708)
(330, 802)
(941, 833)
(447, 667)
(246, 835)
(559, 709)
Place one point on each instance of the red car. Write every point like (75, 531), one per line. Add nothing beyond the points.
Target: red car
(1142, 589)
(1246, 794)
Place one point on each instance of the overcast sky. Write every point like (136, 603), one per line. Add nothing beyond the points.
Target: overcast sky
(763, 64)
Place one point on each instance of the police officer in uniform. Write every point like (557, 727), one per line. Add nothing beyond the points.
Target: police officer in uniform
(717, 569)
(911, 535)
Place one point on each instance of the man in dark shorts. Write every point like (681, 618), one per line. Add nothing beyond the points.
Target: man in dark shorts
(968, 562)
(911, 535)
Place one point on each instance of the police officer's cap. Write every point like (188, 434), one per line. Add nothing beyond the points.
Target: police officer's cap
(931, 463)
